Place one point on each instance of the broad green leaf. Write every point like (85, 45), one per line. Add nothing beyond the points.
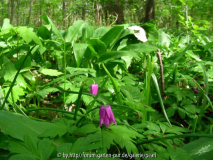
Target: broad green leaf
(18, 126)
(132, 93)
(28, 146)
(176, 90)
(71, 98)
(45, 148)
(78, 71)
(124, 137)
(56, 131)
(2, 100)
(28, 35)
(50, 72)
(163, 39)
(87, 32)
(44, 33)
(22, 157)
(10, 71)
(98, 45)
(79, 51)
(41, 149)
(88, 128)
(17, 91)
(191, 54)
(6, 24)
(44, 92)
(140, 47)
(112, 36)
(87, 99)
(75, 31)
(85, 144)
(55, 30)
(200, 149)
(99, 32)
(153, 126)
(116, 54)
(3, 45)
(107, 139)
(208, 46)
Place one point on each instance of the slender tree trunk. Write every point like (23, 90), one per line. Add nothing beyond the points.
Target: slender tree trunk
(2, 11)
(64, 13)
(40, 10)
(119, 9)
(17, 12)
(83, 13)
(29, 15)
(150, 11)
(12, 10)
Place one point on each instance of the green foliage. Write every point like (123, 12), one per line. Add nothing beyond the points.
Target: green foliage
(47, 110)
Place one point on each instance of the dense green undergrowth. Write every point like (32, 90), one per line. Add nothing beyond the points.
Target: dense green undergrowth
(161, 99)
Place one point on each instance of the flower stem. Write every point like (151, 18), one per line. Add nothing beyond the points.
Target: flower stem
(114, 85)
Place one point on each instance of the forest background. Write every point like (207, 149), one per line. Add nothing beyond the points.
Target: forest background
(166, 13)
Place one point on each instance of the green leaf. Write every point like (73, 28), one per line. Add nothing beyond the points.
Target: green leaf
(44, 92)
(27, 147)
(6, 107)
(74, 31)
(98, 45)
(28, 35)
(45, 148)
(163, 39)
(87, 99)
(116, 54)
(16, 92)
(176, 90)
(112, 36)
(208, 46)
(53, 132)
(88, 128)
(87, 32)
(55, 30)
(3, 45)
(99, 32)
(10, 71)
(200, 149)
(6, 24)
(132, 93)
(44, 33)
(79, 51)
(78, 71)
(41, 149)
(124, 137)
(22, 157)
(50, 72)
(71, 98)
(82, 144)
(18, 126)
(140, 47)
(191, 54)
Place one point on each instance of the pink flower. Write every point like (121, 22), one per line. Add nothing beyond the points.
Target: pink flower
(94, 89)
(106, 116)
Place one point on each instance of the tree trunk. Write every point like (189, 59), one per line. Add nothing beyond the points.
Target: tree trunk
(119, 10)
(64, 13)
(2, 11)
(150, 11)
(12, 9)
(40, 9)
(17, 12)
(29, 15)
